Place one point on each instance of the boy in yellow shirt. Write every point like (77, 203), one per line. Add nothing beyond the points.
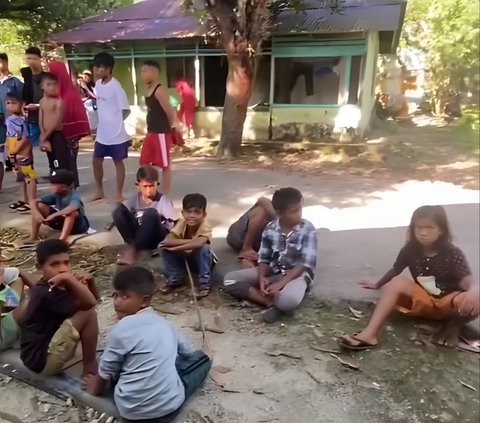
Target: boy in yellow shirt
(189, 240)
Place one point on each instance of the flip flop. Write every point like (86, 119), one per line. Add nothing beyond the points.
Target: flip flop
(470, 345)
(23, 208)
(361, 346)
(16, 205)
(203, 292)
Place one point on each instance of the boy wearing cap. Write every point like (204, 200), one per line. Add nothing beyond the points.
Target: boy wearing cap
(62, 210)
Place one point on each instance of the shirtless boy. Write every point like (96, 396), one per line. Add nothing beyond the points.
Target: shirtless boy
(52, 140)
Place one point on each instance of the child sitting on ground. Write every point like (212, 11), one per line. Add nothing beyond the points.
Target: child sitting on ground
(245, 235)
(143, 356)
(145, 218)
(439, 286)
(19, 150)
(60, 313)
(189, 239)
(13, 304)
(62, 210)
(286, 260)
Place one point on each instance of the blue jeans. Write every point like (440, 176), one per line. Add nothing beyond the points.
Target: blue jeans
(200, 261)
(34, 132)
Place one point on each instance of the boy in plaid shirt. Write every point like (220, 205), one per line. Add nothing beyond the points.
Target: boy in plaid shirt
(286, 260)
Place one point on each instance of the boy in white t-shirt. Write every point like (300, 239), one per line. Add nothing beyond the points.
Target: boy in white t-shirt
(112, 139)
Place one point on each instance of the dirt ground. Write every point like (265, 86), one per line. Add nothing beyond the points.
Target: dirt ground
(290, 372)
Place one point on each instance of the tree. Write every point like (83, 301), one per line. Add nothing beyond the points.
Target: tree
(41, 17)
(447, 31)
(240, 27)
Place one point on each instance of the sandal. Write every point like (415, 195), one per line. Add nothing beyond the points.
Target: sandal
(203, 292)
(169, 288)
(16, 205)
(23, 208)
(345, 341)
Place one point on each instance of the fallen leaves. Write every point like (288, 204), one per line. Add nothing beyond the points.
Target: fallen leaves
(324, 350)
(279, 353)
(472, 388)
(222, 381)
(356, 313)
(346, 363)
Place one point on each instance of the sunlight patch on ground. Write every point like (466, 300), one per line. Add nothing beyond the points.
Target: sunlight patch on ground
(468, 164)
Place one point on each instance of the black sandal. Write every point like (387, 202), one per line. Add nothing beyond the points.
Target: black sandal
(23, 208)
(17, 204)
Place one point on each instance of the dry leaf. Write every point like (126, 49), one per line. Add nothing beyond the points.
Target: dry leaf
(356, 313)
(317, 333)
(325, 350)
(285, 354)
(467, 386)
(222, 369)
(345, 363)
(222, 381)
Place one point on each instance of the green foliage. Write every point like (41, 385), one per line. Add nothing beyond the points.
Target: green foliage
(38, 18)
(447, 31)
(467, 132)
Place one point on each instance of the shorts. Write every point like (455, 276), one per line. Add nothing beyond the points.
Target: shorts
(26, 173)
(237, 231)
(156, 150)
(9, 332)
(61, 349)
(2, 154)
(116, 151)
(81, 225)
(426, 305)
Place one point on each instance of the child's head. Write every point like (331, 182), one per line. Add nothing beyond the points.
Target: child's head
(53, 258)
(14, 103)
(150, 71)
(3, 62)
(50, 84)
(194, 209)
(103, 65)
(61, 182)
(288, 202)
(429, 227)
(134, 288)
(147, 181)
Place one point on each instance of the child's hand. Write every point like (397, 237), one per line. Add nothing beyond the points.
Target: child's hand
(469, 304)
(61, 279)
(50, 218)
(88, 383)
(368, 284)
(275, 288)
(46, 146)
(264, 283)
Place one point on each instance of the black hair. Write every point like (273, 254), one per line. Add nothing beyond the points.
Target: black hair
(151, 63)
(15, 95)
(286, 197)
(147, 173)
(4, 57)
(48, 76)
(49, 248)
(33, 50)
(104, 59)
(439, 217)
(135, 279)
(197, 201)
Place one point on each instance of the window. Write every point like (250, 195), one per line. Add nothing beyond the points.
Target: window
(180, 68)
(215, 72)
(311, 80)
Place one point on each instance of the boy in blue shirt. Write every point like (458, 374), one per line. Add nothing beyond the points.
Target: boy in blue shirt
(62, 210)
(154, 369)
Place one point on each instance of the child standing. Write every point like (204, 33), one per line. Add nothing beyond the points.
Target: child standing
(19, 149)
(142, 356)
(63, 210)
(145, 218)
(286, 260)
(161, 118)
(60, 313)
(112, 139)
(189, 239)
(440, 285)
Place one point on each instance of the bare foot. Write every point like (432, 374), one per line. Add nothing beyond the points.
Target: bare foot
(96, 197)
(448, 335)
(361, 338)
(127, 257)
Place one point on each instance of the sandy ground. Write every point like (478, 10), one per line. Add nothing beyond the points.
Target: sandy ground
(274, 373)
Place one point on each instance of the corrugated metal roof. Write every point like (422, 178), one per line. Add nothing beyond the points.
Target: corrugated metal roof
(162, 19)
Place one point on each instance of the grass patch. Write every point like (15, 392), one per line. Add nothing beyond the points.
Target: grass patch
(467, 132)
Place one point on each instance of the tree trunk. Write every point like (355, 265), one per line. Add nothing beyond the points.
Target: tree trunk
(240, 83)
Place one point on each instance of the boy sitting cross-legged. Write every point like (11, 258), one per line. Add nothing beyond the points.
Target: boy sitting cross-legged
(145, 355)
(286, 260)
(189, 239)
(62, 210)
(59, 314)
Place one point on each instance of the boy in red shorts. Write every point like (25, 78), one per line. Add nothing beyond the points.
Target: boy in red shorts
(161, 119)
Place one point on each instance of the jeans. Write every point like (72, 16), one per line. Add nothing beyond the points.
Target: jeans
(200, 261)
(146, 236)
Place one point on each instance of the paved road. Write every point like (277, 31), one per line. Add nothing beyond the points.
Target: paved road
(361, 222)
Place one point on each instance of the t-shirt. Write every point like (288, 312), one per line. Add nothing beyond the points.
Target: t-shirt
(111, 101)
(59, 202)
(161, 203)
(204, 229)
(140, 356)
(45, 313)
(33, 115)
(17, 128)
(448, 267)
